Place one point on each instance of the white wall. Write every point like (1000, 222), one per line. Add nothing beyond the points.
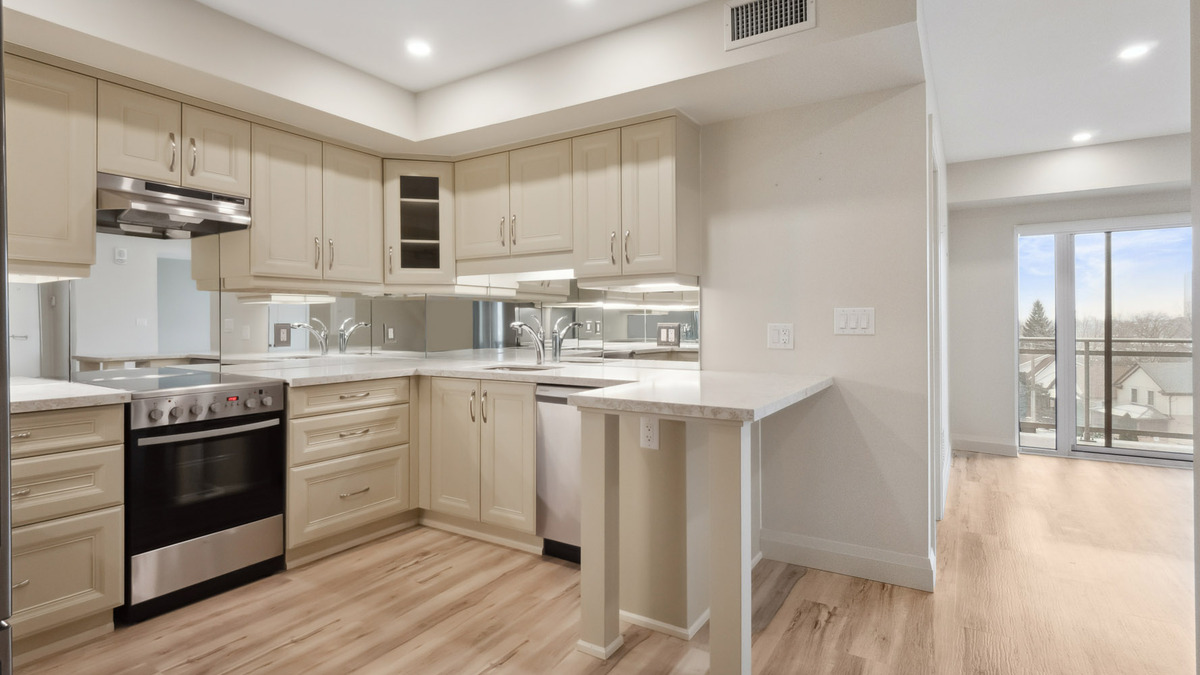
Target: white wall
(983, 304)
(809, 209)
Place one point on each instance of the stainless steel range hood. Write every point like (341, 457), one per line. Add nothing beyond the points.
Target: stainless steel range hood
(142, 208)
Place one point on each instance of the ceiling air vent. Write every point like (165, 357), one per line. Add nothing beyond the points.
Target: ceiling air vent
(749, 22)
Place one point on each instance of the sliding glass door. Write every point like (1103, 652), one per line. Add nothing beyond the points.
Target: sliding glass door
(1110, 372)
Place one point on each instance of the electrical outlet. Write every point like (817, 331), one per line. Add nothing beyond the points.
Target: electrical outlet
(228, 325)
(283, 335)
(245, 332)
(648, 432)
(389, 333)
(780, 336)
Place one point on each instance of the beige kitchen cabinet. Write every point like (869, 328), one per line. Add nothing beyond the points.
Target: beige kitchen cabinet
(334, 496)
(515, 203)
(657, 229)
(158, 139)
(418, 222)
(353, 222)
(483, 452)
(51, 155)
(66, 483)
(286, 205)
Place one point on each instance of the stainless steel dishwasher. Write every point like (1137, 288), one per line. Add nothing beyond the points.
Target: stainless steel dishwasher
(558, 461)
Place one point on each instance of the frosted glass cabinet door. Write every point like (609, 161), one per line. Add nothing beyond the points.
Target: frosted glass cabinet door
(216, 152)
(353, 203)
(138, 134)
(285, 239)
(482, 228)
(51, 117)
(454, 447)
(418, 222)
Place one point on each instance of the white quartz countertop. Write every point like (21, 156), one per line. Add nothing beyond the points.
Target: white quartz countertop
(742, 397)
(34, 395)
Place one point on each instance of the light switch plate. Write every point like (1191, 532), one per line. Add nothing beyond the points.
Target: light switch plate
(780, 336)
(854, 321)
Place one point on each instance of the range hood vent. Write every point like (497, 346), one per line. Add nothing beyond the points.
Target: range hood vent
(141, 208)
(747, 23)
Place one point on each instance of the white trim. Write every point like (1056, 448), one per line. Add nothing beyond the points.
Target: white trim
(683, 633)
(757, 556)
(990, 447)
(901, 569)
(1152, 221)
(520, 541)
(596, 651)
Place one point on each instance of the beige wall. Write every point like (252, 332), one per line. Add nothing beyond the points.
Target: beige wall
(808, 209)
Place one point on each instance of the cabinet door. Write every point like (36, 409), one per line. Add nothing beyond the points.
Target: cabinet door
(353, 200)
(540, 196)
(648, 197)
(454, 447)
(66, 569)
(481, 226)
(508, 456)
(596, 184)
(216, 153)
(285, 238)
(51, 153)
(418, 222)
(138, 134)
(331, 497)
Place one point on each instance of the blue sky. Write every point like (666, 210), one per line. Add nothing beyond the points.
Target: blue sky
(1151, 272)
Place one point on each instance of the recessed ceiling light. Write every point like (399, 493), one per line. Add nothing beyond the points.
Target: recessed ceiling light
(1082, 137)
(418, 47)
(1137, 51)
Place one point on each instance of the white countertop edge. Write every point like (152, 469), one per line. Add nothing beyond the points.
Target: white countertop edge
(51, 395)
(635, 398)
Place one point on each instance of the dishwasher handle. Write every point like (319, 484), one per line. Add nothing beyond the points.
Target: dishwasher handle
(550, 393)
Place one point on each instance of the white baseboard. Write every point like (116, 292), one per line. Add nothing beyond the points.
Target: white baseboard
(681, 632)
(599, 652)
(901, 569)
(986, 446)
(492, 534)
(757, 559)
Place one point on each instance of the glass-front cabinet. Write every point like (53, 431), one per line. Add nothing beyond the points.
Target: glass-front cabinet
(418, 222)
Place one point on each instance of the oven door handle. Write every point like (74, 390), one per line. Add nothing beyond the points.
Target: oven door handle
(212, 433)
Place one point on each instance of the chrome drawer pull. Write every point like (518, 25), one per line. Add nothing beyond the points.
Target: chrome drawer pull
(361, 394)
(22, 493)
(347, 495)
(20, 584)
(348, 434)
(22, 434)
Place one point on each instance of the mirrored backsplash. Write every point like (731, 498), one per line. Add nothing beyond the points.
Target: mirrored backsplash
(142, 307)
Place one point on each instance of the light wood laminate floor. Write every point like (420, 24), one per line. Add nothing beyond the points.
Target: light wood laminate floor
(1045, 566)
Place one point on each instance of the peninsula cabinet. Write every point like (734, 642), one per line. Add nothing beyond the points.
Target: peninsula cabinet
(514, 203)
(51, 154)
(418, 222)
(146, 136)
(636, 200)
(483, 452)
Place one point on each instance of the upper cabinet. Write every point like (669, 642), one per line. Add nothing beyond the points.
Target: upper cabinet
(514, 203)
(51, 155)
(353, 223)
(157, 139)
(418, 222)
(637, 200)
(286, 207)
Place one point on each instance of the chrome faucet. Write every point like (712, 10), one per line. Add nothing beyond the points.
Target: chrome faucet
(344, 334)
(321, 335)
(539, 344)
(557, 337)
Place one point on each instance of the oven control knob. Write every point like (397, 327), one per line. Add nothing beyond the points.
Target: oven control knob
(176, 412)
(196, 409)
(267, 401)
(156, 414)
(216, 407)
(251, 403)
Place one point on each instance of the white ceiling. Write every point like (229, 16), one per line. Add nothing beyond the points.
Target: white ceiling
(1026, 75)
(467, 36)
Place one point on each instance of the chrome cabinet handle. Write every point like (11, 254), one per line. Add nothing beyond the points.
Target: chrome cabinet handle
(513, 228)
(21, 434)
(472, 406)
(483, 406)
(612, 247)
(20, 338)
(361, 394)
(22, 493)
(174, 149)
(625, 246)
(192, 171)
(347, 495)
(331, 253)
(501, 230)
(317, 247)
(390, 268)
(360, 432)
(20, 584)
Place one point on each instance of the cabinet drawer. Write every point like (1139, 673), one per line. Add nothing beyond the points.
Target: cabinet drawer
(312, 439)
(66, 569)
(328, 398)
(41, 433)
(338, 495)
(66, 483)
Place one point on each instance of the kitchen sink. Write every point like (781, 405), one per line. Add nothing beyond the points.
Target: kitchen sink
(521, 369)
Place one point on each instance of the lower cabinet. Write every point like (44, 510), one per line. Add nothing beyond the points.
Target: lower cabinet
(336, 495)
(483, 452)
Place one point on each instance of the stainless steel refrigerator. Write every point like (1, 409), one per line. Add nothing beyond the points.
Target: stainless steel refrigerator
(5, 433)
